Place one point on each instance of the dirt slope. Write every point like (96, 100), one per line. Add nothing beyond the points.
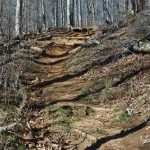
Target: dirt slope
(87, 90)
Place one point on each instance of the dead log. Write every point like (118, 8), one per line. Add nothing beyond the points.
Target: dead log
(45, 38)
(36, 49)
(7, 127)
(78, 38)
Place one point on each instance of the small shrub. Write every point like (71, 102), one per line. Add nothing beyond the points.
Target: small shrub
(10, 142)
(50, 108)
(108, 93)
(116, 109)
(84, 91)
(29, 67)
(64, 119)
(123, 116)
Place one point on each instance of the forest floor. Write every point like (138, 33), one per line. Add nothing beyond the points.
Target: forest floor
(85, 89)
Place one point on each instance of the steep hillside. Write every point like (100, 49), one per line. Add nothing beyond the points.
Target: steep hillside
(82, 88)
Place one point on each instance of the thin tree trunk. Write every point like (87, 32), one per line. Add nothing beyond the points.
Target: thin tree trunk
(18, 17)
(43, 14)
(68, 12)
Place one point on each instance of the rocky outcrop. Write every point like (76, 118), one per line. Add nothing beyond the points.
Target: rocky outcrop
(142, 47)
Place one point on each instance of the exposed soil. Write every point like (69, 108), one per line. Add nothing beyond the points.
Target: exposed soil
(87, 96)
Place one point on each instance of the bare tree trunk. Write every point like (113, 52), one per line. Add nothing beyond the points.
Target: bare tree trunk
(75, 12)
(68, 12)
(105, 5)
(133, 2)
(18, 17)
(126, 5)
(43, 14)
(1, 19)
(139, 5)
(147, 5)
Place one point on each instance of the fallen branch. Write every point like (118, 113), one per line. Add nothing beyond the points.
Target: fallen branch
(44, 38)
(7, 127)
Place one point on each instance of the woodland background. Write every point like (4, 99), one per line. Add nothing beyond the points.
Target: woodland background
(37, 14)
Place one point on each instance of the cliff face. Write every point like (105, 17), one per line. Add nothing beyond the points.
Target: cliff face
(82, 88)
